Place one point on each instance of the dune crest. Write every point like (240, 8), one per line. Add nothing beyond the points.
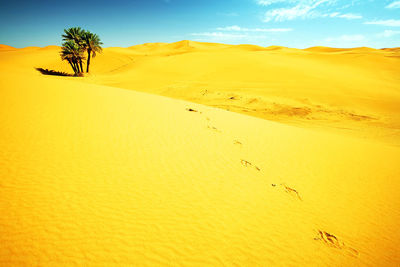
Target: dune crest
(50, 47)
(6, 47)
(325, 49)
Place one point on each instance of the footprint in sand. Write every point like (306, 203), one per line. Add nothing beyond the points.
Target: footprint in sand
(246, 164)
(334, 242)
(208, 119)
(213, 128)
(193, 110)
(291, 191)
(236, 142)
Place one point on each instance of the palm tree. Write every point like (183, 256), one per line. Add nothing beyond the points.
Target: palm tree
(92, 44)
(67, 55)
(73, 54)
(75, 34)
(76, 41)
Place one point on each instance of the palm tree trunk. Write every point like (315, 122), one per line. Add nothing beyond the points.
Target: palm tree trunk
(88, 60)
(72, 65)
(80, 63)
(76, 67)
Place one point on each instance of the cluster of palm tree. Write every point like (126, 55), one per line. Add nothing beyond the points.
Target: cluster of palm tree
(76, 43)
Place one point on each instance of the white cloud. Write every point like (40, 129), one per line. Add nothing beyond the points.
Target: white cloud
(388, 33)
(395, 4)
(389, 22)
(355, 40)
(343, 16)
(352, 38)
(220, 35)
(240, 29)
(236, 34)
(303, 9)
(350, 16)
(282, 14)
(230, 28)
(233, 38)
(270, 2)
(349, 3)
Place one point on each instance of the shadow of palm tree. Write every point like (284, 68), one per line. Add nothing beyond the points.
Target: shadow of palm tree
(52, 72)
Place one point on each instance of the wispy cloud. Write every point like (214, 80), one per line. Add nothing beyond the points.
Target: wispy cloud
(270, 2)
(237, 34)
(388, 33)
(349, 3)
(300, 10)
(220, 35)
(395, 4)
(240, 29)
(389, 22)
(303, 9)
(231, 37)
(352, 38)
(345, 16)
(289, 11)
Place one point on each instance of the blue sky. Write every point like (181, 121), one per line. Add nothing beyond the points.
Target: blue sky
(291, 23)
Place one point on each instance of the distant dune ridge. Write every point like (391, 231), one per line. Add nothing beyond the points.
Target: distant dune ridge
(164, 174)
(6, 47)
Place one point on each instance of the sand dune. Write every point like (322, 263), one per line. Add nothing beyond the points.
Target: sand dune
(6, 47)
(51, 48)
(395, 49)
(332, 49)
(96, 174)
(350, 91)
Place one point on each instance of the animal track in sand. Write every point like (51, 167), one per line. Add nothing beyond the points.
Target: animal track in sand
(246, 164)
(332, 241)
(291, 191)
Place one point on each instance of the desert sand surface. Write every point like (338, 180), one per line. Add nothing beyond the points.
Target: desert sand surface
(200, 154)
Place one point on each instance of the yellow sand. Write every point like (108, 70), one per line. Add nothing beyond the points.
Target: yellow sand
(92, 173)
